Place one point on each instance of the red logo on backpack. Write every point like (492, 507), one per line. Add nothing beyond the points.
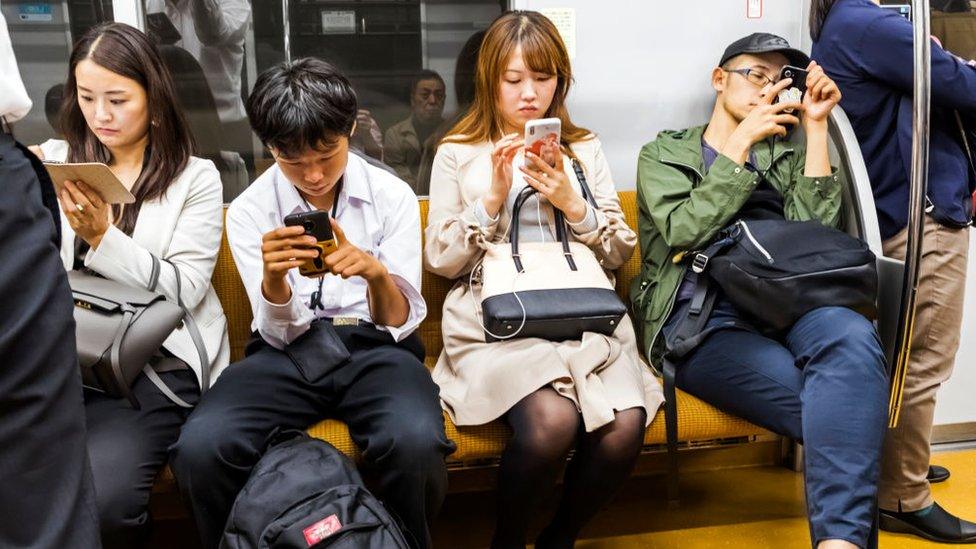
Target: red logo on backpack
(322, 529)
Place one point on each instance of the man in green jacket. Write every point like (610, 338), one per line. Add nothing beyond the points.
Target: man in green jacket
(823, 382)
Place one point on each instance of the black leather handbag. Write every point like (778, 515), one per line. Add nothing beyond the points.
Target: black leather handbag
(118, 328)
(550, 290)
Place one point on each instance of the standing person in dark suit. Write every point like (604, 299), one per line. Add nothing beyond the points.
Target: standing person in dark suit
(868, 51)
(47, 499)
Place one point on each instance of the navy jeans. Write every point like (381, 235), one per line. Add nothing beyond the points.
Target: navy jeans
(825, 384)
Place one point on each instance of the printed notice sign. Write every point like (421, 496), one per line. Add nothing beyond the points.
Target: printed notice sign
(35, 12)
(338, 22)
(565, 21)
(754, 9)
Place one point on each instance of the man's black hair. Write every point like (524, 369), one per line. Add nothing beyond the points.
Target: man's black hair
(300, 105)
(423, 75)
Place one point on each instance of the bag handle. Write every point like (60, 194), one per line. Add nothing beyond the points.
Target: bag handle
(561, 233)
(192, 328)
(584, 187)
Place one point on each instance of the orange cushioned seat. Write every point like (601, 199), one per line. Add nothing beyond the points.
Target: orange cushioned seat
(697, 421)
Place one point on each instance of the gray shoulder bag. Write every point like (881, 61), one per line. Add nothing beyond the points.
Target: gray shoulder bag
(118, 328)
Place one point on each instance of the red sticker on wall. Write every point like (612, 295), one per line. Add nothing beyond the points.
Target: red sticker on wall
(754, 9)
(322, 529)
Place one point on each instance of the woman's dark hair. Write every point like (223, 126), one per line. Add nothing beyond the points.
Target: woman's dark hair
(819, 9)
(301, 104)
(464, 69)
(128, 52)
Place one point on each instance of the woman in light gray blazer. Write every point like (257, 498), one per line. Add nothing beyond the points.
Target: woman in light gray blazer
(120, 108)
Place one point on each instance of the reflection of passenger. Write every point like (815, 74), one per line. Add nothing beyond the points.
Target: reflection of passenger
(404, 142)
(213, 32)
(464, 93)
(367, 137)
(201, 115)
(52, 104)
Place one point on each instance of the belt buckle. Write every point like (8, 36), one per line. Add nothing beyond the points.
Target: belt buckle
(345, 321)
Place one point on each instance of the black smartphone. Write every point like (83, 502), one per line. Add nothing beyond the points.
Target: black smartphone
(161, 29)
(317, 224)
(794, 93)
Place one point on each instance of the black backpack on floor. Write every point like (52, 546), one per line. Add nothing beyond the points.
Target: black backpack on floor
(304, 493)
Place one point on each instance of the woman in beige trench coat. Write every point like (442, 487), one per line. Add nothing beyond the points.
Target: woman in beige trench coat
(593, 395)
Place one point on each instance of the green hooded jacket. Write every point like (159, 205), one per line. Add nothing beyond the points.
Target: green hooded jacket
(682, 208)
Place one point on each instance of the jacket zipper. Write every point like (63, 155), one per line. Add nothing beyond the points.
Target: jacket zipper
(667, 313)
(762, 250)
(688, 166)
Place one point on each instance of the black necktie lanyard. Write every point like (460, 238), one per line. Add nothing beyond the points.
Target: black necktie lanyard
(315, 302)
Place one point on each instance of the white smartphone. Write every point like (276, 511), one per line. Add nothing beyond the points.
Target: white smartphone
(538, 132)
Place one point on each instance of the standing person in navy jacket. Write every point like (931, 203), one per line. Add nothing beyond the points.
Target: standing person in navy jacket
(868, 51)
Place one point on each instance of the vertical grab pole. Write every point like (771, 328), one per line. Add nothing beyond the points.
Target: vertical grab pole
(916, 205)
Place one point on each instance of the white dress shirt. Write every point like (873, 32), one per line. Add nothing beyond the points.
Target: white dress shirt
(213, 32)
(14, 102)
(379, 214)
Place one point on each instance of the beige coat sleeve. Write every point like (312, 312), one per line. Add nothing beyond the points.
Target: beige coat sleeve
(613, 241)
(455, 238)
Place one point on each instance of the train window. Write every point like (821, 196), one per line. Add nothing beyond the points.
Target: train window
(410, 61)
(42, 35)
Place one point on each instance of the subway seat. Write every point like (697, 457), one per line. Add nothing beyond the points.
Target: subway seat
(697, 421)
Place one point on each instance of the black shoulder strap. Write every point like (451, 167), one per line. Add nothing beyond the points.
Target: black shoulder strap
(687, 335)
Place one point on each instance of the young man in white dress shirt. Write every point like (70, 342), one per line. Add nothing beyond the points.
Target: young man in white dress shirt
(47, 498)
(295, 373)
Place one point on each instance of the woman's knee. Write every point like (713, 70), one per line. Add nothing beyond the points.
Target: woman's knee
(544, 425)
(621, 440)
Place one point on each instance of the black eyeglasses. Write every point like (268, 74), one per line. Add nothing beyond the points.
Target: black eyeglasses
(754, 76)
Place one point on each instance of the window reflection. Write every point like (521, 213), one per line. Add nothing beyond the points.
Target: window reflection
(411, 62)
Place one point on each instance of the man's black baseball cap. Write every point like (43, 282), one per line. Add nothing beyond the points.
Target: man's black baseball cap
(762, 42)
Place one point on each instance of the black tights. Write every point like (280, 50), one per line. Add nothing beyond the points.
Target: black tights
(545, 428)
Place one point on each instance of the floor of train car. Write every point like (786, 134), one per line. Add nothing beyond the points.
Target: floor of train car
(747, 507)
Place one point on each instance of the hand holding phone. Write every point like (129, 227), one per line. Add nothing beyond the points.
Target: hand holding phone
(797, 89)
(822, 95)
(318, 225)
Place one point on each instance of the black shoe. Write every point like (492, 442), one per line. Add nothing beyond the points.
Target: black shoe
(935, 525)
(937, 473)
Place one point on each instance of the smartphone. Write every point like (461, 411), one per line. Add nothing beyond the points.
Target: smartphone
(793, 94)
(543, 131)
(317, 224)
(161, 29)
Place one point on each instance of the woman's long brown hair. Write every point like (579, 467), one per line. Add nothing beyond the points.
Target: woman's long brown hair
(543, 50)
(128, 52)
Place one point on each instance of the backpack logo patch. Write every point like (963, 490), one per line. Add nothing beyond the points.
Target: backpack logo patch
(322, 529)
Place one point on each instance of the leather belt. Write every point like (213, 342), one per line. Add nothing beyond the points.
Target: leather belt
(349, 321)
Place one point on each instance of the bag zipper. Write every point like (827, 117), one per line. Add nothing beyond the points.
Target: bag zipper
(762, 250)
